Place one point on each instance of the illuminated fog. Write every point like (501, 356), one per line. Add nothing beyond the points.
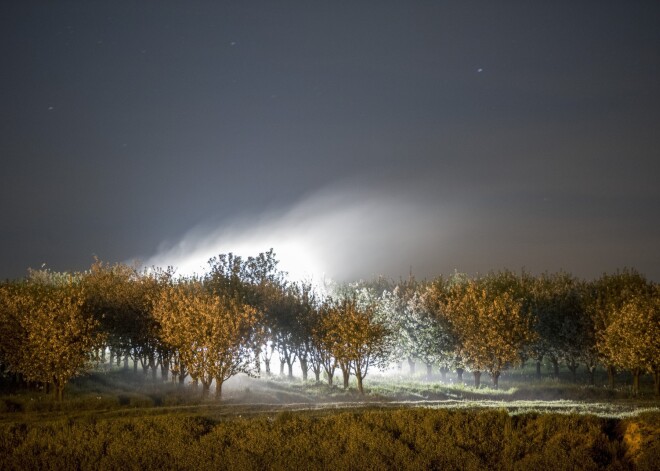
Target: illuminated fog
(337, 233)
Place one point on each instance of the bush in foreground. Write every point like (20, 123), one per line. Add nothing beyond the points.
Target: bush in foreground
(400, 439)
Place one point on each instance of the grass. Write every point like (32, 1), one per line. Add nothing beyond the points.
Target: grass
(324, 439)
(123, 393)
(116, 419)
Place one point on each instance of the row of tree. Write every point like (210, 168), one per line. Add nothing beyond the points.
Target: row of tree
(243, 313)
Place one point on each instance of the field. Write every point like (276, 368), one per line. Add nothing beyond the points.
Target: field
(119, 420)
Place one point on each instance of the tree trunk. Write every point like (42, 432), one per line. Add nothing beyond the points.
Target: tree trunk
(58, 389)
(289, 365)
(206, 386)
(477, 379)
(635, 386)
(555, 367)
(331, 375)
(144, 363)
(125, 361)
(316, 368)
(282, 363)
(496, 379)
(611, 373)
(218, 388)
(443, 374)
(411, 365)
(656, 381)
(304, 367)
(164, 370)
(573, 369)
(592, 376)
(345, 373)
(359, 383)
(459, 374)
(429, 371)
(267, 365)
(538, 369)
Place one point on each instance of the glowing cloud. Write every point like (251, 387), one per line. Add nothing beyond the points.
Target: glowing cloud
(335, 233)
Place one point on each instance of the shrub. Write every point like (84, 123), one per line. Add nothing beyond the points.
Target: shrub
(374, 439)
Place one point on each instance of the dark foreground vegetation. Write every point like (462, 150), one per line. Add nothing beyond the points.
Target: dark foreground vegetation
(358, 439)
(118, 420)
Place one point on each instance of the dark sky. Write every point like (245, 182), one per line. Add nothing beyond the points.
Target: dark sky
(363, 137)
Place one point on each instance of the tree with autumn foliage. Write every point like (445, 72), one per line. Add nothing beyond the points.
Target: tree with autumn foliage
(47, 336)
(605, 299)
(355, 338)
(212, 334)
(631, 341)
(435, 297)
(490, 324)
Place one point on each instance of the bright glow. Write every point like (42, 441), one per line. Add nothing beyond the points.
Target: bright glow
(339, 234)
(294, 252)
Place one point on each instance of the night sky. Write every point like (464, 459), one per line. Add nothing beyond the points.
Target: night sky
(356, 138)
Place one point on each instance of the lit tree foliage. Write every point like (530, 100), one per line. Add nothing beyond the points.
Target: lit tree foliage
(632, 339)
(356, 339)
(435, 298)
(211, 334)
(118, 296)
(325, 342)
(491, 327)
(47, 336)
(429, 336)
(389, 305)
(243, 309)
(605, 300)
(12, 332)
